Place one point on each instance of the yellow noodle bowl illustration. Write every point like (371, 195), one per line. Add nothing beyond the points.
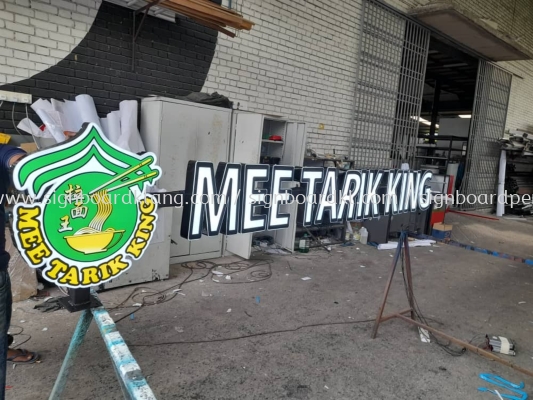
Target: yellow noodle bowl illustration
(93, 239)
(96, 242)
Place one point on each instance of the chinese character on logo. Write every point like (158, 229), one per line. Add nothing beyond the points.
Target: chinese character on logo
(65, 224)
(75, 195)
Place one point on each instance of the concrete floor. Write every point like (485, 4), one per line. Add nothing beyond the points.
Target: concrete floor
(510, 234)
(465, 293)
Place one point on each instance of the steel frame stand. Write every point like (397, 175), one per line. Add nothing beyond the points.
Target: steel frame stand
(403, 241)
(129, 374)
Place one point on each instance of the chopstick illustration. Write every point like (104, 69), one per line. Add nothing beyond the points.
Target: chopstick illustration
(128, 183)
(125, 173)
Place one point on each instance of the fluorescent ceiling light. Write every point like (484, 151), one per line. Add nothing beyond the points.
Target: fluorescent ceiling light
(465, 116)
(421, 120)
(424, 121)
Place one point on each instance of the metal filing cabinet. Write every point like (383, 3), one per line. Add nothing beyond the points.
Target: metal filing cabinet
(153, 265)
(177, 132)
(251, 145)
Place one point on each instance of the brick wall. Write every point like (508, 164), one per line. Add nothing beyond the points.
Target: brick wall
(299, 61)
(520, 112)
(172, 59)
(36, 34)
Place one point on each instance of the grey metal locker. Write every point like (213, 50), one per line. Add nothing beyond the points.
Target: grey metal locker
(247, 142)
(177, 132)
(153, 265)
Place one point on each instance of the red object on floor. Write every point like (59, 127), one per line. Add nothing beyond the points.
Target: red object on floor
(437, 217)
(474, 215)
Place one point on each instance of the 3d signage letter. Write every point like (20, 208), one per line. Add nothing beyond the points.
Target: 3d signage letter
(244, 198)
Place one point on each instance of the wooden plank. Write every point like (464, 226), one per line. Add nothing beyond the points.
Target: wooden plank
(213, 26)
(216, 6)
(205, 12)
(219, 12)
(192, 14)
(208, 22)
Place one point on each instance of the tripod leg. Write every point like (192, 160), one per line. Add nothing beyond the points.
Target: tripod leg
(409, 276)
(387, 287)
(77, 339)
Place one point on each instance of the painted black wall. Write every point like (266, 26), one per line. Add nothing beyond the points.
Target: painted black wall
(171, 59)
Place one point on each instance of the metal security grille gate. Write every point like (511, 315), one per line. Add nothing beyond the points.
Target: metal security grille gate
(487, 126)
(389, 86)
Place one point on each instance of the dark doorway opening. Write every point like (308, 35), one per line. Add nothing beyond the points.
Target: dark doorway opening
(447, 106)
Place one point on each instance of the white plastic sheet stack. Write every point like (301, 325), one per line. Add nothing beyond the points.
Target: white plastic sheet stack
(60, 116)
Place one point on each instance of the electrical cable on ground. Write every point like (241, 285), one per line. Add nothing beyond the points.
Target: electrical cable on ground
(254, 334)
(171, 292)
(240, 266)
(18, 334)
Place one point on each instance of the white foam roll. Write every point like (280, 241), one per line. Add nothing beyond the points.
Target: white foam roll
(113, 127)
(130, 139)
(87, 109)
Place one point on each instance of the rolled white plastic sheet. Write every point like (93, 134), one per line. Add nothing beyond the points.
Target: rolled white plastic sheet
(105, 126)
(72, 115)
(130, 138)
(87, 109)
(113, 127)
(51, 125)
(43, 105)
(27, 125)
(57, 105)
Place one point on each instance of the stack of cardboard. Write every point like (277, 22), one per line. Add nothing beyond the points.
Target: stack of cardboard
(442, 231)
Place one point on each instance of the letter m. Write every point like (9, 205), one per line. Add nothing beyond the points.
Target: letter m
(212, 201)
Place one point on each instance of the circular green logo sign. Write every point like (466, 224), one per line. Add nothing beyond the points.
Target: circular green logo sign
(90, 215)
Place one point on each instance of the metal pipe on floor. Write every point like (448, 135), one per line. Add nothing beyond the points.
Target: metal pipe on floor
(467, 345)
(472, 215)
